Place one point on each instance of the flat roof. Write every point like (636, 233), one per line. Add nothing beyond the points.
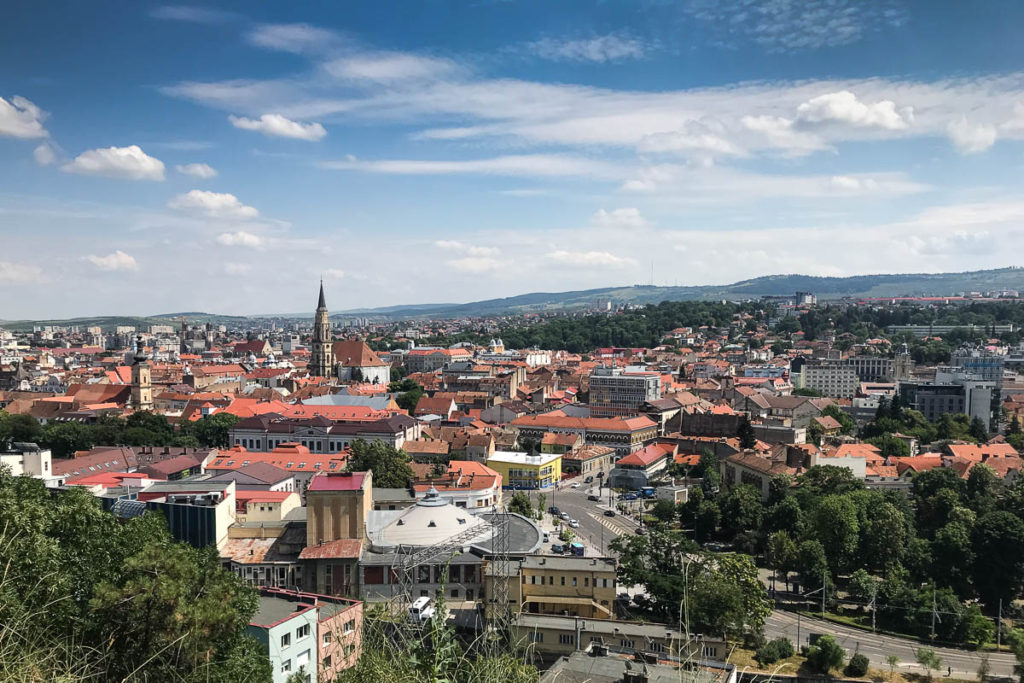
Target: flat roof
(518, 458)
(337, 481)
(273, 610)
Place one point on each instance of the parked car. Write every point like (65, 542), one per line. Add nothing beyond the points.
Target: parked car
(576, 548)
(641, 530)
(629, 496)
(574, 524)
(554, 511)
(594, 497)
(609, 513)
(588, 480)
(557, 548)
(547, 537)
(565, 516)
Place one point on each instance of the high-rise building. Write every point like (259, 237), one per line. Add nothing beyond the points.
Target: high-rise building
(615, 392)
(321, 362)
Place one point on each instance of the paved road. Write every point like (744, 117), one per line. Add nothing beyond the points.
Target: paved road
(877, 647)
(596, 531)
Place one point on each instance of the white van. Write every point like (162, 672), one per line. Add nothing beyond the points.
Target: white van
(421, 610)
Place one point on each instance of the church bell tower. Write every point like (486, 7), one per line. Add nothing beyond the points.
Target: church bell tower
(321, 361)
(142, 384)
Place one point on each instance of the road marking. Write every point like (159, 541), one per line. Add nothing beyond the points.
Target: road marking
(609, 524)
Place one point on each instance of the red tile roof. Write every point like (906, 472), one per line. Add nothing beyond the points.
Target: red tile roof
(337, 481)
(342, 548)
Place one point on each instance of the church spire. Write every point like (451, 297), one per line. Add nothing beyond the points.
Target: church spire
(322, 356)
(323, 302)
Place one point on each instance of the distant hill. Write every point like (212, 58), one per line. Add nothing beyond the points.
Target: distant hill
(859, 286)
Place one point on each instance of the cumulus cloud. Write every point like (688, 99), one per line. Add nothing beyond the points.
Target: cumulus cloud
(130, 163)
(279, 126)
(471, 249)
(241, 238)
(971, 138)
(613, 47)
(694, 137)
(778, 132)
(118, 260)
(237, 268)
(844, 107)
(19, 272)
(196, 170)
(45, 154)
(619, 218)
(213, 204)
(588, 259)
(473, 264)
(20, 118)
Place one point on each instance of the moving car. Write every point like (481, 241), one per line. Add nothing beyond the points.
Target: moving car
(575, 485)
(609, 513)
(588, 480)
(574, 524)
(629, 496)
(641, 530)
(565, 516)
(555, 511)
(593, 497)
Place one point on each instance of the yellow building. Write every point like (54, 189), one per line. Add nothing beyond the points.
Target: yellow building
(521, 471)
(556, 585)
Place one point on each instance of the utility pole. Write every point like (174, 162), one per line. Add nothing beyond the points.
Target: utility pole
(824, 591)
(999, 627)
(874, 596)
(933, 613)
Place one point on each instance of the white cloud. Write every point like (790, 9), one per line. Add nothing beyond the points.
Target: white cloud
(20, 118)
(844, 107)
(694, 137)
(196, 170)
(214, 204)
(19, 272)
(277, 125)
(845, 182)
(619, 218)
(237, 268)
(195, 15)
(118, 260)
(46, 154)
(518, 165)
(471, 249)
(296, 38)
(473, 264)
(390, 67)
(334, 273)
(240, 238)
(971, 138)
(608, 48)
(793, 25)
(588, 259)
(778, 132)
(117, 162)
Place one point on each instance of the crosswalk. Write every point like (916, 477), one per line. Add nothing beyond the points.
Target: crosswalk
(610, 524)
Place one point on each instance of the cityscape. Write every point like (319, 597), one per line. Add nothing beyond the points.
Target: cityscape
(512, 341)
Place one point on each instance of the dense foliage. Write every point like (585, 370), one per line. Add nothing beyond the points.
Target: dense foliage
(85, 595)
(138, 429)
(390, 465)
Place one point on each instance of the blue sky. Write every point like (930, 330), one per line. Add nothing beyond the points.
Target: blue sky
(223, 157)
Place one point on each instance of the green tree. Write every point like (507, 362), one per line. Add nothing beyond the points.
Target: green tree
(847, 425)
(953, 557)
(977, 430)
(390, 465)
(893, 661)
(998, 542)
(655, 561)
(824, 480)
(785, 516)
(520, 504)
(664, 511)
(727, 596)
(746, 434)
(806, 391)
(884, 536)
(834, 524)
(811, 562)
(212, 431)
(64, 438)
(779, 488)
(857, 666)
(826, 655)
(982, 488)
(862, 586)
(741, 509)
(928, 659)
(19, 427)
(890, 446)
(706, 523)
(781, 554)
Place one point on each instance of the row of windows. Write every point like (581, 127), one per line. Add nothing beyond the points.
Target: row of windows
(551, 581)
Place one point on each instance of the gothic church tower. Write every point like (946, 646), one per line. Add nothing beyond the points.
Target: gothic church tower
(142, 386)
(321, 362)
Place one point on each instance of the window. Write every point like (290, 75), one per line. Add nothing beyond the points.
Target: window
(328, 637)
(455, 592)
(586, 581)
(627, 643)
(533, 580)
(286, 640)
(302, 632)
(349, 626)
(563, 580)
(566, 639)
(348, 649)
(326, 663)
(286, 666)
(709, 651)
(537, 637)
(574, 580)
